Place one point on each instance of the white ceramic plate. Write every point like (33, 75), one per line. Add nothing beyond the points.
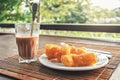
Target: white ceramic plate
(102, 61)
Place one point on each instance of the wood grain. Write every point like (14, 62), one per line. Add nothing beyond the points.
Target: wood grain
(9, 60)
(10, 66)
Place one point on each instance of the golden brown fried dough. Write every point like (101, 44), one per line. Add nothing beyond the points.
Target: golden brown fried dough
(81, 50)
(52, 50)
(86, 59)
(73, 50)
(70, 55)
(64, 50)
(89, 59)
(67, 60)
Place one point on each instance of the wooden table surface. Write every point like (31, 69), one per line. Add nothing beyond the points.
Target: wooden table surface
(8, 48)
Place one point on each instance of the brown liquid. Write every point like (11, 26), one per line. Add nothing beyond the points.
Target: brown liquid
(27, 46)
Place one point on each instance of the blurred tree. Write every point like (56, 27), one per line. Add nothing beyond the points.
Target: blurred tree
(57, 11)
(64, 11)
(78, 14)
(117, 12)
(17, 11)
(10, 11)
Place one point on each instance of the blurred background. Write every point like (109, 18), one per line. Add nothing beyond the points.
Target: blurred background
(63, 11)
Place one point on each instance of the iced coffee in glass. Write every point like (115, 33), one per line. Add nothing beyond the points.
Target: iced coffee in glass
(27, 42)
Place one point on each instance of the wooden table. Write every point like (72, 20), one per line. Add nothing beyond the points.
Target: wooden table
(10, 68)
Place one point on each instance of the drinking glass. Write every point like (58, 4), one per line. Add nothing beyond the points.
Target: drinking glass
(27, 38)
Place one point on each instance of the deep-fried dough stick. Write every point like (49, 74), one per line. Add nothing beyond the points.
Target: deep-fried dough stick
(64, 50)
(52, 50)
(85, 59)
(56, 51)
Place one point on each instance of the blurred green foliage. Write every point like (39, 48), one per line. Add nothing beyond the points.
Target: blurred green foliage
(81, 34)
(58, 11)
(10, 11)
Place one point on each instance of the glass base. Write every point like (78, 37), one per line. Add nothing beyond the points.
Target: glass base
(27, 60)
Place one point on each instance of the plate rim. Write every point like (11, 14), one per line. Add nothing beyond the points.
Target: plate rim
(67, 68)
